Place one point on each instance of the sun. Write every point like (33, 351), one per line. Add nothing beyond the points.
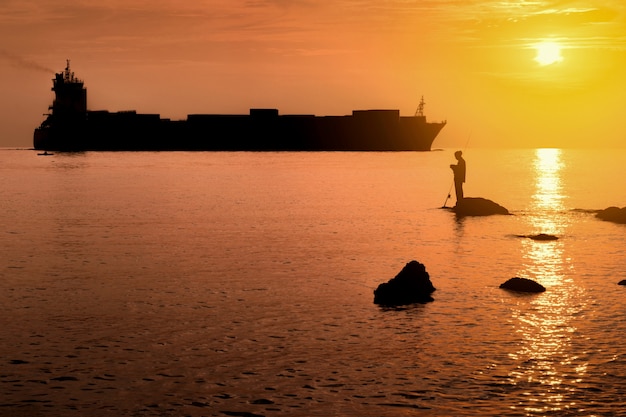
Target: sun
(548, 53)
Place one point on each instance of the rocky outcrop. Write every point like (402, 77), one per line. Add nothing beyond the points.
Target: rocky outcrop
(523, 285)
(478, 206)
(411, 285)
(613, 214)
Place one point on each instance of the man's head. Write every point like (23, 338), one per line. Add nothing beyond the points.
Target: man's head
(458, 154)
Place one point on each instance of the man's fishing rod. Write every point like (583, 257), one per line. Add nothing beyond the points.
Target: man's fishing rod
(451, 185)
(448, 197)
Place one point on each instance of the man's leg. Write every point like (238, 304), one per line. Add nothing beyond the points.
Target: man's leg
(458, 188)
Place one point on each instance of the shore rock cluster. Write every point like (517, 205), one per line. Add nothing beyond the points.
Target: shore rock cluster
(411, 285)
(613, 214)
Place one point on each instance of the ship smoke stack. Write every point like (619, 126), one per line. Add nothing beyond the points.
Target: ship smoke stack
(18, 61)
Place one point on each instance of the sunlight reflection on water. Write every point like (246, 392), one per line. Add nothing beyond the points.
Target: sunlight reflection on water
(545, 260)
(547, 362)
(547, 166)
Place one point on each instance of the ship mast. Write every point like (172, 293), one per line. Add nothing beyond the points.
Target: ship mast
(420, 108)
(68, 76)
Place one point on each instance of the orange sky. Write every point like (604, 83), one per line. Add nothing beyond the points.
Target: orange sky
(473, 61)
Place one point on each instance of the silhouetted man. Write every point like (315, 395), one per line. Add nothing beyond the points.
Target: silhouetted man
(459, 175)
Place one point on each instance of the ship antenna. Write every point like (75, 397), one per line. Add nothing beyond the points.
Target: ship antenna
(420, 108)
(67, 70)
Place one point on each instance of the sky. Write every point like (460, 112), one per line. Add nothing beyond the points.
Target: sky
(478, 64)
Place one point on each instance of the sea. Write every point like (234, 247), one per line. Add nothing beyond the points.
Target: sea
(241, 284)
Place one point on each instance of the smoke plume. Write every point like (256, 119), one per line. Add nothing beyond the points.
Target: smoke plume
(18, 61)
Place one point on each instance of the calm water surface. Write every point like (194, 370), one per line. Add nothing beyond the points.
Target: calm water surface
(212, 284)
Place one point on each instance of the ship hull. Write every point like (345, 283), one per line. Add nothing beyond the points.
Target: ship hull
(41, 138)
(378, 130)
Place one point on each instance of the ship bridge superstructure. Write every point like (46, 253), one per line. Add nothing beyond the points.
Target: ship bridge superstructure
(70, 95)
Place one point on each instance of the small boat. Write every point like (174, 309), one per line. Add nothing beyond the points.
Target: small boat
(45, 153)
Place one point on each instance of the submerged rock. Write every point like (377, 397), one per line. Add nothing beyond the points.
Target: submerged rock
(613, 214)
(478, 206)
(543, 236)
(540, 236)
(411, 285)
(523, 285)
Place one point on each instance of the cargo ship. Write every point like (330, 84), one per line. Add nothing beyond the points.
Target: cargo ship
(69, 126)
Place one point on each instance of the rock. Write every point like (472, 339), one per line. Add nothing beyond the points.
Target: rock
(411, 285)
(622, 282)
(543, 236)
(263, 401)
(478, 206)
(540, 236)
(613, 214)
(64, 378)
(523, 285)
